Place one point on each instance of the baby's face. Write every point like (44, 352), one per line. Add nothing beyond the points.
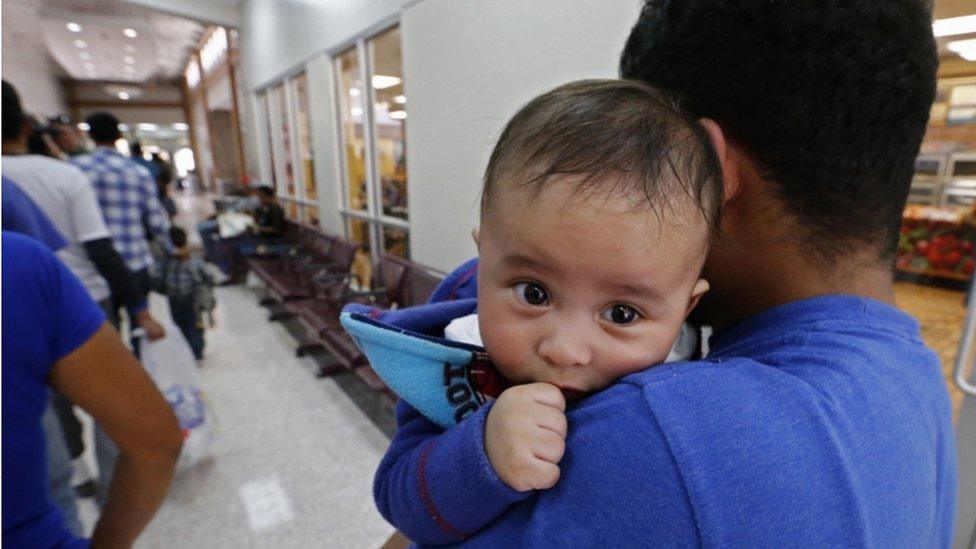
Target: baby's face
(578, 292)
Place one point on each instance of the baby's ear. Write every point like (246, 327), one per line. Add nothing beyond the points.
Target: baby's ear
(476, 235)
(701, 286)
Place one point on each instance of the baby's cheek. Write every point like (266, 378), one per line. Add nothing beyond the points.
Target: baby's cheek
(509, 350)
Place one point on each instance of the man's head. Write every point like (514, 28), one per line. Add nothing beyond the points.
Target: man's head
(177, 236)
(599, 201)
(66, 133)
(266, 195)
(829, 101)
(103, 128)
(14, 120)
(136, 149)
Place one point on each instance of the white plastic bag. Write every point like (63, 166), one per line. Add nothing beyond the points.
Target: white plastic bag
(230, 224)
(171, 365)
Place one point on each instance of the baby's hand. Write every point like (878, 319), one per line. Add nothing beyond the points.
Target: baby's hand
(525, 436)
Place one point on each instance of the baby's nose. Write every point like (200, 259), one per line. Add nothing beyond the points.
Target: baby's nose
(564, 349)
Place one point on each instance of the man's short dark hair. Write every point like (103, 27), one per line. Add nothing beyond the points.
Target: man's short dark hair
(136, 148)
(13, 113)
(617, 136)
(177, 236)
(266, 191)
(831, 99)
(103, 127)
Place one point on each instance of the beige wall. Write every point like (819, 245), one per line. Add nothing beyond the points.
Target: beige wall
(465, 79)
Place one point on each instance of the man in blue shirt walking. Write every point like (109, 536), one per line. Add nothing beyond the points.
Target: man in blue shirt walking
(819, 419)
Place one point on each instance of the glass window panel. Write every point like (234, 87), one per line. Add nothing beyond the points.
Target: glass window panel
(390, 113)
(291, 210)
(358, 231)
(352, 118)
(266, 112)
(303, 126)
(396, 241)
(284, 127)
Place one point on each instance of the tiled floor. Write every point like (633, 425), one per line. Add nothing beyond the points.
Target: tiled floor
(293, 456)
(941, 313)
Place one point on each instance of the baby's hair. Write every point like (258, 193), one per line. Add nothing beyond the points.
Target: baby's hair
(609, 130)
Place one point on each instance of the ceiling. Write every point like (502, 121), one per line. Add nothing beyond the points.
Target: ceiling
(100, 50)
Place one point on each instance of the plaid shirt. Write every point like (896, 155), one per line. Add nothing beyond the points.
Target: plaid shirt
(127, 195)
(179, 278)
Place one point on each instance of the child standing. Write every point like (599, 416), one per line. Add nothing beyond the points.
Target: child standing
(188, 288)
(599, 202)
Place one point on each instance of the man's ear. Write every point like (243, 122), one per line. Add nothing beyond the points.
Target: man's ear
(701, 286)
(726, 158)
(476, 235)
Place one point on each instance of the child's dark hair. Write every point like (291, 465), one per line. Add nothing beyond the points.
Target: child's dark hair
(266, 191)
(177, 236)
(610, 129)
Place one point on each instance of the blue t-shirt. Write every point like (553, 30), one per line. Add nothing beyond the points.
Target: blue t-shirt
(20, 214)
(820, 423)
(47, 314)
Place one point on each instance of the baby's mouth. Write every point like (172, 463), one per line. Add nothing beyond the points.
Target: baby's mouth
(571, 394)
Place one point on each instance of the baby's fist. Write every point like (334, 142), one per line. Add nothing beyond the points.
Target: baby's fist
(525, 436)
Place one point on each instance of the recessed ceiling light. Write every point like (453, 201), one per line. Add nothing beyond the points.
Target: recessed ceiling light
(400, 99)
(954, 25)
(181, 127)
(84, 56)
(74, 27)
(131, 33)
(354, 92)
(129, 59)
(398, 115)
(381, 81)
(81, 44)
(147, 127)
(129, 48)
(356, 111)
(123, 96)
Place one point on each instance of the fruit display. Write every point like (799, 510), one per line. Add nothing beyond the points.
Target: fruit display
(937, 242)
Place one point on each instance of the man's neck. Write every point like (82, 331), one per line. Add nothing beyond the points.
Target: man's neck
(749, 289)
(14, 147)
(764, 262)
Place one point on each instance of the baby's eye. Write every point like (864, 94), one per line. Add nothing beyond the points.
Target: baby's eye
(620, 314)
(531, 293)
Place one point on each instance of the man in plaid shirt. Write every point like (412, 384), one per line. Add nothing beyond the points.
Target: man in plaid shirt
(127, 195)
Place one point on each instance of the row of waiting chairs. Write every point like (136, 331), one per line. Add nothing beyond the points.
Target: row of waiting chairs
(312, 279)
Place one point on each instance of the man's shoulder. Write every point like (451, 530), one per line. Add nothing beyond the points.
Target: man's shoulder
(31, 169)
(41, 164)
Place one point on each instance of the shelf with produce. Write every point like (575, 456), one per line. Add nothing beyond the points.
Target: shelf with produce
(938, 242)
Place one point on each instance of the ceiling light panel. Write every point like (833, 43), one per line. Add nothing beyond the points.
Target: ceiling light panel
(965, 48)
(954, 26)
(74, 27)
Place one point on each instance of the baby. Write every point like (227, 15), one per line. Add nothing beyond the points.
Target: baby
(598, 205)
